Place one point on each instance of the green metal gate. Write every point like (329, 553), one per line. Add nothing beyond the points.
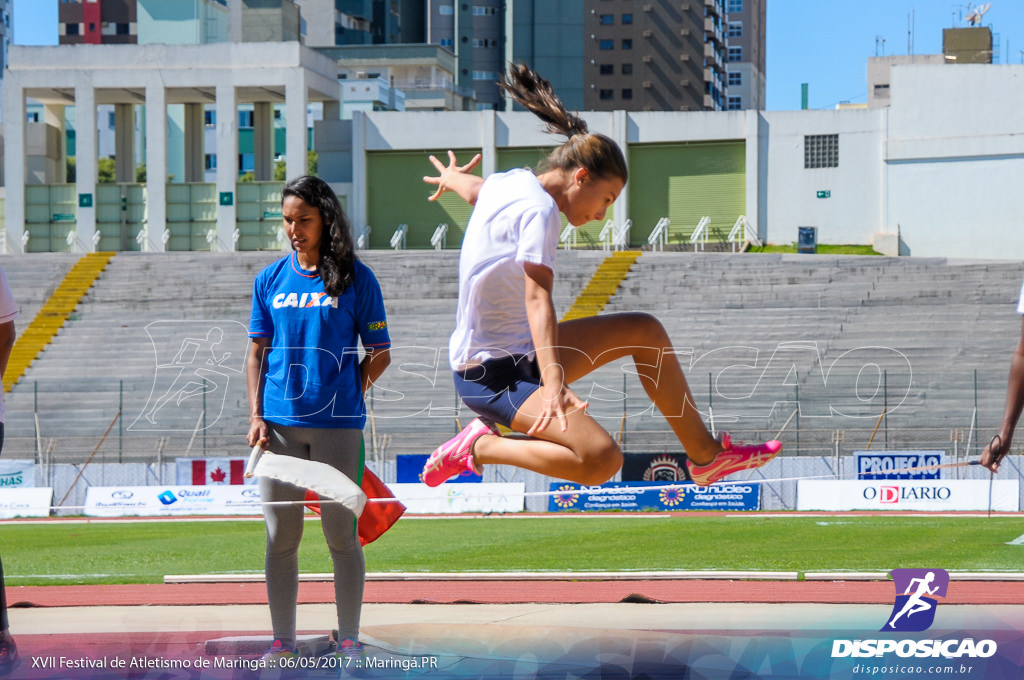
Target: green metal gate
(51, 213)
(120, 215)
(191, 214)
(397, 195)
(685, 182)
(258, 215)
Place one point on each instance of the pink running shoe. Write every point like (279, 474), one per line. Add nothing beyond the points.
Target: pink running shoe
(735, 458)
(456, 455)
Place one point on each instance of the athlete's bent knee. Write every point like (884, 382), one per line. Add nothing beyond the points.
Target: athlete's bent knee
(601, 465)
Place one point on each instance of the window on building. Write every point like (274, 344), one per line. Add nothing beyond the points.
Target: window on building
(627, 19)
(110, 120)
(882, 89)
(210, 161)
(821, 151)
(735, 53)
(735, 29)
(627, 93)
(484, 11)
(245, 119)
(71, 29)
(210, 118)
(607, 94)
(607, 19)
(735, 78)
(486, 75)
(447, 42)
(734, 104)
(32, 117)
(607, 44)
(627, 43)
(246, 162)
(123, 29)
(627, 69)
(446, 10)
(607, 69)
(734, 6)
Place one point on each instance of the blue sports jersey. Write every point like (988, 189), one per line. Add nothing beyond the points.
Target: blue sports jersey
(312, 376)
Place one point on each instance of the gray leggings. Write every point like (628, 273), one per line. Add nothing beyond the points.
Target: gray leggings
(341, 449)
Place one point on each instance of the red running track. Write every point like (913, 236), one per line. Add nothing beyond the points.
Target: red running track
(503, 592)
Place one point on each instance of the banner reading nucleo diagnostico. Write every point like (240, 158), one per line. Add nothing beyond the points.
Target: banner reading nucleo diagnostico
(653, 497)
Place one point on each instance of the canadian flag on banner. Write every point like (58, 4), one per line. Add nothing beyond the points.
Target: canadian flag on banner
(218, 471)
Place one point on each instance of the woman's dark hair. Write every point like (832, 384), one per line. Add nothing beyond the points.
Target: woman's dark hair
(598, 154)
(337, 249)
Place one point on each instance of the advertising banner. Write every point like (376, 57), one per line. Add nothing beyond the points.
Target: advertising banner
(654, 467)
(653, 497)
(28, 502)
(898, 464)
(449, 498)
(148, 501)
(927, 495)
(409, 468)
(17, 473)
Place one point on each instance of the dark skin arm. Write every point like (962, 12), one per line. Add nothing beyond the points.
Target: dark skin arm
(7, 335)
(1000, 444)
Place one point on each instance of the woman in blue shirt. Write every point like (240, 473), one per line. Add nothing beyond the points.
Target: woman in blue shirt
(310, 312)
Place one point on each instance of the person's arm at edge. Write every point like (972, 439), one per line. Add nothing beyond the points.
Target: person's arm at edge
(7, 336)
(255, 374)
(1000, 444)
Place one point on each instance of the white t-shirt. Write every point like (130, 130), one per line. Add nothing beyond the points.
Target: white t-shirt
(8, 312)
(514, 221)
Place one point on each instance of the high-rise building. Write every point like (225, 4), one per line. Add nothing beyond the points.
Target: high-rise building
(548, 36)
(654, 56)
(745, 54)
(110, 22)
(474, 30)
(330, 23)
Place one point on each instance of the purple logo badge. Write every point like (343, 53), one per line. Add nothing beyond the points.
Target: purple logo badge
(916, 590)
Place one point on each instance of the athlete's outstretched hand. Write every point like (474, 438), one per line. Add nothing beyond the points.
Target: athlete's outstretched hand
(450, 178)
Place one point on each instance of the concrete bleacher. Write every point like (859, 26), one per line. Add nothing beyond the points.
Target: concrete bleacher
(752, 330)
(119, 350)
(836, 329)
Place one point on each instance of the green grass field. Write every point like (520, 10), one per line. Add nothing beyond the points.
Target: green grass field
(128, 552)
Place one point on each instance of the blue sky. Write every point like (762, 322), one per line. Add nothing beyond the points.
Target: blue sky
(824, 43)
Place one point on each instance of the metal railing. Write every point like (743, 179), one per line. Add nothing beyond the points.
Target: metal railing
(439, 240)
(399, 237)
(699, 238)
(659, 236)
(568, 237)
(742, 233)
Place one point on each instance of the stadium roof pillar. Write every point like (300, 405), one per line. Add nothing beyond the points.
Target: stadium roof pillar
(157, 75)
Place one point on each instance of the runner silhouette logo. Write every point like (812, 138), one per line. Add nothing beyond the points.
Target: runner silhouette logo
(916, 590)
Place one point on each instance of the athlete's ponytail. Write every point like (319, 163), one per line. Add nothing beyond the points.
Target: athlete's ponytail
(337, 249)
(598, 154)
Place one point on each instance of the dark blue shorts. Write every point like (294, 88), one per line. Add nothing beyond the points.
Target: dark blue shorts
(498, 387)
